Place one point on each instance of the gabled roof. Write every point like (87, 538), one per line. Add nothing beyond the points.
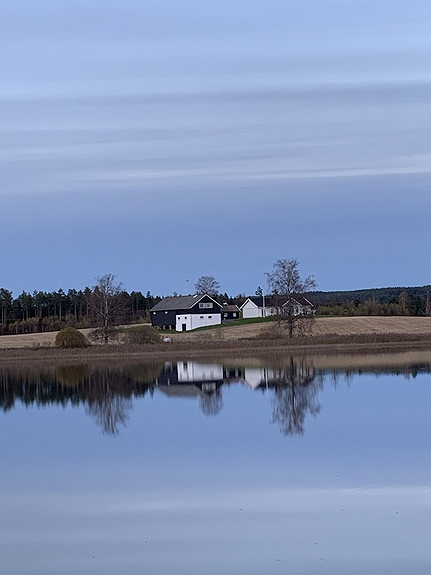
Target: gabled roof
(258, 300)
(271, 301)
(230, 307)
(180, 302)
(302, 300)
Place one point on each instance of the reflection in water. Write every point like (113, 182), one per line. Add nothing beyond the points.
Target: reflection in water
(193, 379)
(294, 386)
(211, 402)
(296, 393)
(108, 391)
(243, 489)
(110, 412)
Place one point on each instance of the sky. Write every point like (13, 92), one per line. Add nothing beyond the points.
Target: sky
(163, 141)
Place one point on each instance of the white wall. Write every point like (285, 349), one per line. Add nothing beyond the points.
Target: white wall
(250, 310)
(193, 371)
(254, 376)
(195, 320)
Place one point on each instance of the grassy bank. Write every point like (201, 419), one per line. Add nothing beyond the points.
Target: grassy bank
(192, 349)
(351, 334)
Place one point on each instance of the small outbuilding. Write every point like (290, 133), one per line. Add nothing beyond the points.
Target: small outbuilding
(230, 312)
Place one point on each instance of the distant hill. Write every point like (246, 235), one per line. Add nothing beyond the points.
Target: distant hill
(378, 295)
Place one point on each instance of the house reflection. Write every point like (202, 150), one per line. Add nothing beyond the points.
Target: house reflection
(263, 378)
(190, 379)
(108, 391)
(294, 386)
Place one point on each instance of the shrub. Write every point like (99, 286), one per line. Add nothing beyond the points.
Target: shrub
(105, 335)
(142, 334)
(70, 337)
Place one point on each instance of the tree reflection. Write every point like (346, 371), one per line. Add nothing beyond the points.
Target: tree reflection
(110, 412)
(106, 391)
(211, 403)
(296, 389)
(109, 397)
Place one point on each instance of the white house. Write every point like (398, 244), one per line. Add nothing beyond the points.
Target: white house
(266, 306)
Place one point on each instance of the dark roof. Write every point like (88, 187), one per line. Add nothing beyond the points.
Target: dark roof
(179, 302)
(180, 390)
(230, 307)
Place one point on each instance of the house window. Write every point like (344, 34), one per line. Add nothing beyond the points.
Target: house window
(205, 305)
(202, 317)
(234, 314)
(210, 317)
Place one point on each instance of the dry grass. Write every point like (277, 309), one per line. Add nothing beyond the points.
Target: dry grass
(31, 340)
(373, 325)
(332, 334)
(322, 327)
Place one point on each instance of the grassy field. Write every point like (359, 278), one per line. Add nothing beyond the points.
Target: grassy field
(329, 326)
(325, 330)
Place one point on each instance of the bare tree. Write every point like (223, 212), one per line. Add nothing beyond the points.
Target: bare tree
(208, 285)
(288, 290)
(108, 306)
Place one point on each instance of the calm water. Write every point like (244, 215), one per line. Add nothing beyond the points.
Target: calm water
(298, 465)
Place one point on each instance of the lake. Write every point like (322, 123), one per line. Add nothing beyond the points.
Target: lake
(287, 464)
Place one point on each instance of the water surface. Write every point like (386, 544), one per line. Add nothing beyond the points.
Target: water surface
(294, 465)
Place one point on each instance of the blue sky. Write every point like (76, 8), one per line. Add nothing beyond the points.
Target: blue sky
(162, 141)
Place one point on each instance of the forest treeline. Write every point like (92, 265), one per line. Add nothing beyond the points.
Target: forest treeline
(378, 301)
(50, 311)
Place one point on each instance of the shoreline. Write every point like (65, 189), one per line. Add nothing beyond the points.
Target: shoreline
(344, 345)
(335, 335)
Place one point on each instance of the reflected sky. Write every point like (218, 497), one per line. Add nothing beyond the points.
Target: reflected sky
(178, 488)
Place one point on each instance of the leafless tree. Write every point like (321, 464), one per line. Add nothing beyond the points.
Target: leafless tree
(108, 306)
(287, 287)
(208, 285)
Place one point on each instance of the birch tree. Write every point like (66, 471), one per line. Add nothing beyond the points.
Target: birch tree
(287, 286)
(108, 306)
